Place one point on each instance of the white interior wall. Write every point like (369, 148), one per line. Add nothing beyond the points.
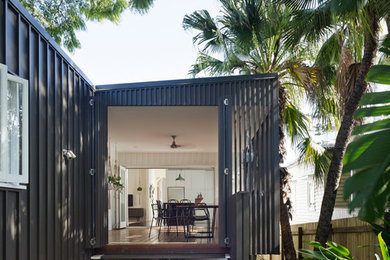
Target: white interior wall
(112, 168)
(138, 178)
(156, 183)
(165, 160)
(157, 160)
(196, 180)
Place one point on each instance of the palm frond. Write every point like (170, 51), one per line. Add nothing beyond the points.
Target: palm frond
(329, 54)
(312, 152)
(141, 6)
(296, 123)
(310, 25)
(209, 64)
(209, 33)
(102, 9)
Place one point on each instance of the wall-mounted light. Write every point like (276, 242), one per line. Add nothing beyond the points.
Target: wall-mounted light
(68, 154)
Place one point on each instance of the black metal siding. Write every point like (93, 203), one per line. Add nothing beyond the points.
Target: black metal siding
(48, 220)
(254, 97)
(63, 206)
(255, 161)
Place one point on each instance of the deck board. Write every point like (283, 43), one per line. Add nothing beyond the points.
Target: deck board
(140, 235)
(136, 241)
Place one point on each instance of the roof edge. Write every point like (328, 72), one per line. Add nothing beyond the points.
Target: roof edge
(178, 82)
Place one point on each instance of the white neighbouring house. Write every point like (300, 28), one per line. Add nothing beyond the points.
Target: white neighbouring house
(306, 195)
(307, 192)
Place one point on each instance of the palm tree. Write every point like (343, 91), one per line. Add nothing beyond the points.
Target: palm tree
(313, 21)
(249, 38)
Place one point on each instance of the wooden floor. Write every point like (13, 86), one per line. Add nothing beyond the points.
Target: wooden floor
(135, 242)
(140, 235)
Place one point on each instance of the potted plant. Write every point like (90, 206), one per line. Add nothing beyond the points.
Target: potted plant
(199, 198)
(115, 182)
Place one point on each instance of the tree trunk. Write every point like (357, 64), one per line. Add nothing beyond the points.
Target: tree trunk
(287, 240)
(285, 205)
(344, 133)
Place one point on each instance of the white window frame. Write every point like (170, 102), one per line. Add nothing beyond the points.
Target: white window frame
(7, 179)
(311, 194)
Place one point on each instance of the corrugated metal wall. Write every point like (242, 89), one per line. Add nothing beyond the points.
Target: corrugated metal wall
(256, 161)
(249, 114)
(48, 220)
(63, 206)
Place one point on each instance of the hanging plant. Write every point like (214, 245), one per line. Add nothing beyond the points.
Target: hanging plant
(116, 182)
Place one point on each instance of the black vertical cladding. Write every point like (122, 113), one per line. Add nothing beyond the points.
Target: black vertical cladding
(3, 220)
(12, 40)
(256, 167)
(246, 126)
(42, 148)
(47, 220)
(2, 30)
(275, 164)
(58, 214)
(50, 156)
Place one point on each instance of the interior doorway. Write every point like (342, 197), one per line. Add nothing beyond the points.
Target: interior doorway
(166, 155)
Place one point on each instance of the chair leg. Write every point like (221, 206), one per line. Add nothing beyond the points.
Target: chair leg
(208, 228)
(177, 225)
(151, 225)
(159, 230)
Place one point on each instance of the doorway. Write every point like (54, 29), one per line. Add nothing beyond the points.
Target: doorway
(152, 170)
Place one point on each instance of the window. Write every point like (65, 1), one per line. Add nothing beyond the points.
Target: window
(13, 128)
(310, 195)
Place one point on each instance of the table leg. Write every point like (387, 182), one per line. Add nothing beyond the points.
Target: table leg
(213, 224)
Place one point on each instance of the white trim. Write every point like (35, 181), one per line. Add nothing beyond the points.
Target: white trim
(10, 185)
(311, 195)
(5, 175)
(3, 123)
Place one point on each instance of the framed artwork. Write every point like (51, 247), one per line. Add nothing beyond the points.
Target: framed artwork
(176, 193)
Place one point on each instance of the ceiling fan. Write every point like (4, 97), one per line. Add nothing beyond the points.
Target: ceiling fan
(174, 145)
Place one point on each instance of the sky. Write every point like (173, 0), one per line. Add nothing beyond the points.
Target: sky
(141, 48)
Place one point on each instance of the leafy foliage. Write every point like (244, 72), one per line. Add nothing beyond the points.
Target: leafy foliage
(314, 153)
(335, 251)
(384, 248)
(368, 154)
(250, 38)
(62, 18)
(116, 182)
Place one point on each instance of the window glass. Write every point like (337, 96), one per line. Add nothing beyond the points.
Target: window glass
(13, 128)
(14, 119)
(311, 198)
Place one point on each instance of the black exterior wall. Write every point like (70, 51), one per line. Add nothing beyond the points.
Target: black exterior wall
(48, 219)
(63, 211)
(252, 102)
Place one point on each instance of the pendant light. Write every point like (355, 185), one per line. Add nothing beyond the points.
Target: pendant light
(180, 178)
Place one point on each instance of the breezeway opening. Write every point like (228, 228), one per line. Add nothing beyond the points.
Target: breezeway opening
(140, 152)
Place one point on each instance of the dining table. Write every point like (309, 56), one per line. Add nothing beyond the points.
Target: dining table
(175, 210)
(191, 207)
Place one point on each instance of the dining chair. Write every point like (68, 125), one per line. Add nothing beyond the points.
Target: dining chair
(199, 213)
(166, 216)
(155, 216)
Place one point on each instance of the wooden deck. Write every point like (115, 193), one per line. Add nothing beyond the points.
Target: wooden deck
(135, 241)
(140, 235)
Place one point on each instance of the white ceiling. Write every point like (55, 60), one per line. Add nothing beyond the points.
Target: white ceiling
(149, 129)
